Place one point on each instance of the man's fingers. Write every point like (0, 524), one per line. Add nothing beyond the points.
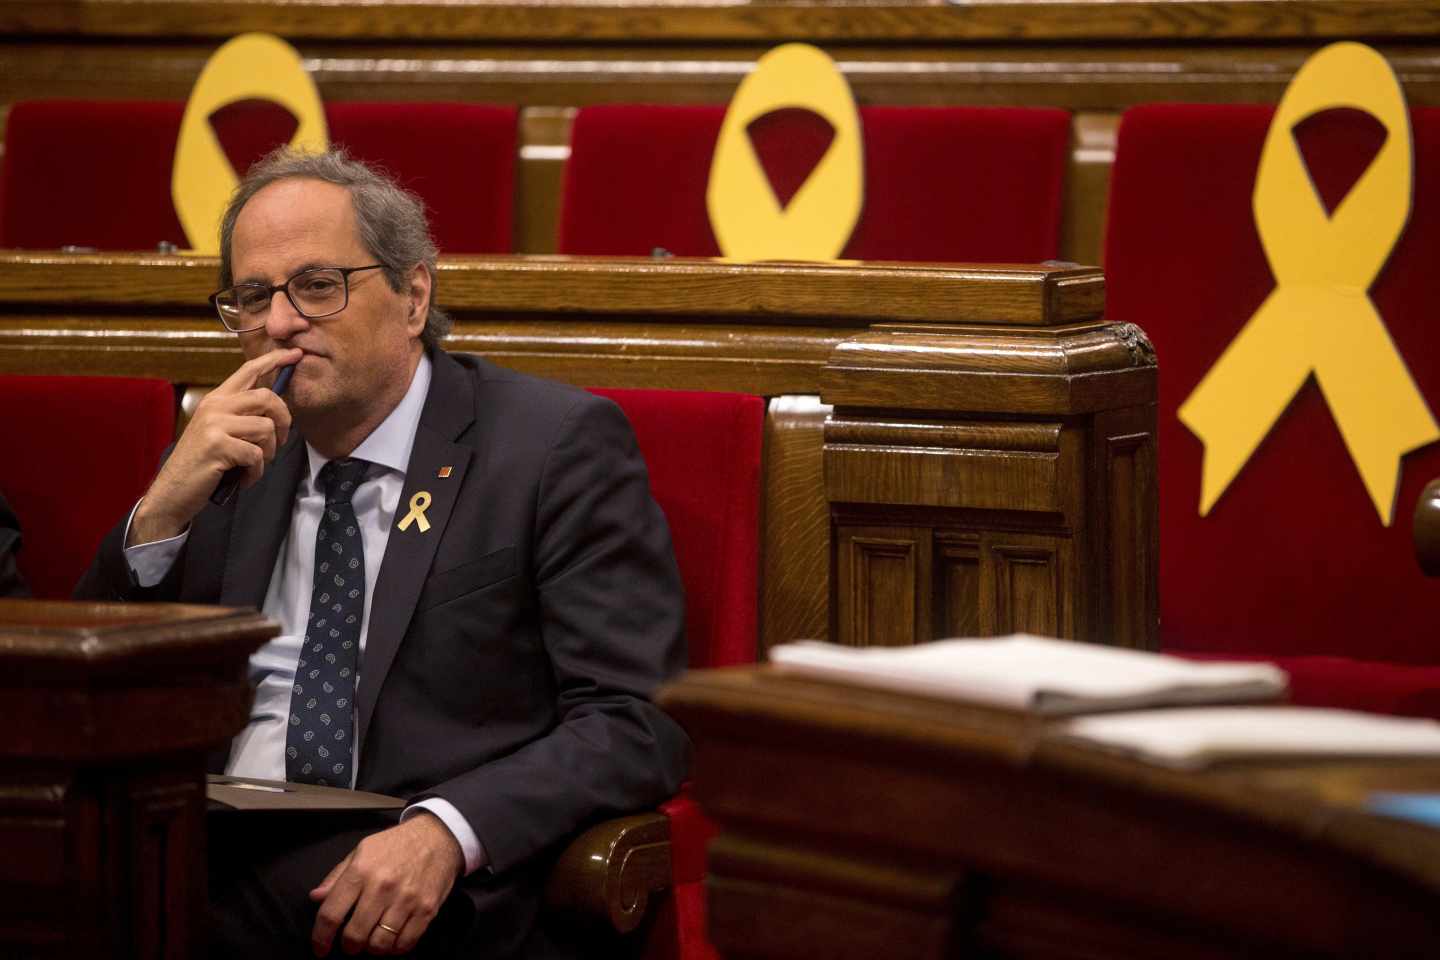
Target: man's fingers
(261, 431)
(248, 374)
(413, 930)
(322, 889)
(385, 938)
(344, 891)
(364, 919)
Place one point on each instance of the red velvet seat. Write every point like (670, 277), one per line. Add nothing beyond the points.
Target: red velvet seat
(703, 454)
(79, 451)
(1292, 563)
(97, 173)
(942, 183)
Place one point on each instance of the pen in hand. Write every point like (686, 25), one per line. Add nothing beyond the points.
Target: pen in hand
(225, 489)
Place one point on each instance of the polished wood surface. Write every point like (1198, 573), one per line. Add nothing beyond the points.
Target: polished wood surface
(605, 878)
(834, 20)
(950, 448)
(861, 823)
(109, 712)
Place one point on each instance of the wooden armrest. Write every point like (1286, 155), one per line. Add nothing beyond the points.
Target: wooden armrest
(607, 874)
(1426, 529)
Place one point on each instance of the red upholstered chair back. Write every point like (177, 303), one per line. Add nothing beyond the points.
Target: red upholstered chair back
(702, 451)
(1292, 558)
(97, 173)
(942, 183)
(79, 451)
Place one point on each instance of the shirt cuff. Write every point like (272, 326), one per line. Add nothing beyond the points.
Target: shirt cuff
(150, 562)
(459, 827)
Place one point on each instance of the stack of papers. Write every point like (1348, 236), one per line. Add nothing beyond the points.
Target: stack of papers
(1021, 672)
(1193, 738)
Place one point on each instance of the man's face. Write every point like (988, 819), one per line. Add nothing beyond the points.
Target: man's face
(357, 363)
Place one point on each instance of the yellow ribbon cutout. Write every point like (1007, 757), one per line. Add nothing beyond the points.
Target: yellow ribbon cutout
(418, 505)
(748, 220)
(253, 66)
(1319, 318)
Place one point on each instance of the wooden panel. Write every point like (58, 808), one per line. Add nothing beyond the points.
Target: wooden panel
(795, 554)
(102, 809)
(957, 585)
(942, 478)
(1133, 490)
(1087, 187)
(540, 173)
(1020, 294)
(1026, 586)
(972, 20)
(868, 909)
(879, 571)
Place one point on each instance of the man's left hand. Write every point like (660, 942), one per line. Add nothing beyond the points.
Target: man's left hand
(398, 877)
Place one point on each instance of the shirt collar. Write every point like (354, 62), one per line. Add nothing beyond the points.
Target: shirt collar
(390, 443)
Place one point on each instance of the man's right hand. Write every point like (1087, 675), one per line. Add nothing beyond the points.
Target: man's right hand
(238, 424)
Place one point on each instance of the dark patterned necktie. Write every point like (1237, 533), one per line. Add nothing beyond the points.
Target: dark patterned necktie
(318, 746)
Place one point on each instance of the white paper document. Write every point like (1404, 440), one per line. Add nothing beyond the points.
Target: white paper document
(1196, 737)
(1021, 672)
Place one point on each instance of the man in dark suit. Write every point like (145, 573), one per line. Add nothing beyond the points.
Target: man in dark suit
(476, 588)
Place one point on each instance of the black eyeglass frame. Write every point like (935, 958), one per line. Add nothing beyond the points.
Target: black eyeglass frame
(272, 289)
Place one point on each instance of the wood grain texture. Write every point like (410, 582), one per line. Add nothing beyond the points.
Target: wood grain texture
(1078, 370)
(855, 20)
(1094, 76)
(1021, 294)
(795, 553)
(605, 877)
(1064, 851)
(879, 573)
(102, 807)
(865, 911)
(1125, 477)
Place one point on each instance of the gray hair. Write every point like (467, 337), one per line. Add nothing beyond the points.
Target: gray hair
(391, 219)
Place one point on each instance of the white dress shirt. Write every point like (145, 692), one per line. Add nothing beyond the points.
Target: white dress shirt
(259, 749)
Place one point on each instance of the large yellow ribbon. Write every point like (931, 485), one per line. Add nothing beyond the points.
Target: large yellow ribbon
(253, 66)
(1319, 318)
(748, 220)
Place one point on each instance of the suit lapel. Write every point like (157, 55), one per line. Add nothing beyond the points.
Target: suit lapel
(449, 411)
(258, 526)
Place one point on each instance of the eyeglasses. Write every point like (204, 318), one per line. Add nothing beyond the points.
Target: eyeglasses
(314, 293)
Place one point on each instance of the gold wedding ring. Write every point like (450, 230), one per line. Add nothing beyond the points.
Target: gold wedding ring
(385, 926)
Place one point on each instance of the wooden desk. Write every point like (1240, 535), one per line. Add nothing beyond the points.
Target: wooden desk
(864, 824)
(106, 715)
(950, 449)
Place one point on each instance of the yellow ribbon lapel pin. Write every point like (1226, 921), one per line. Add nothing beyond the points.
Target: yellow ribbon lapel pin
(418, 505)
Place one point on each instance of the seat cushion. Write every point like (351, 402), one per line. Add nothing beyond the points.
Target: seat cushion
(941, 183)
(1292, 560)
(702, 451)
(79, 452)
(55, 189)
